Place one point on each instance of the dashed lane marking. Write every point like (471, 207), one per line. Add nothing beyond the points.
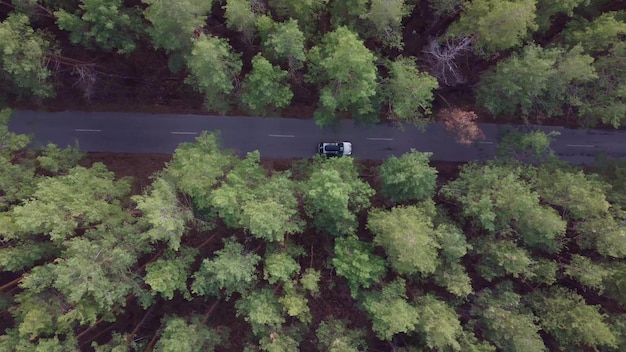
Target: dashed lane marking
(282, 135)
(86, 130)
(580, 145)
(177, 132)
(379, 139)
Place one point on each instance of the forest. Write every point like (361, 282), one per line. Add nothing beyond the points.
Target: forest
(210, 251)
(538, 61)
(215, 252)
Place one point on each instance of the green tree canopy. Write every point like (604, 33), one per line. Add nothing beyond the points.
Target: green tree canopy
(439, 323)
(334, 336)
(585, 325)
(174, 23)
(498, 199)
(265, 87)
(389, 310)
(170, 274)
(408, 236)
(197, 167)
(59, 205)
(192, 336)
(231, 270)
(23, 58)
(384, 19)
(333, 194)
(505, 322)
(355, 261)
(344, 70)
(265, 206)
(536, 82)
(497, 25)
(408, 92)
(408, 177)
(167, 216)
(213, 71)
(107, 24)
(286, 42)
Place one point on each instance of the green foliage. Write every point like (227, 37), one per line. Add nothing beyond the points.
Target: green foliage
(529, 147)
(231, 270)
(166, 215)
(12, 342)
(22, 256)
(106, 24)
(408, 236)
(546, 9)
(573, 323)
(265, 87)
(310, 280)
(83, 197)
(23, 58)
(165, 276)
(174, 23)
(197, 167)
(505, 322)
(262, 310)
(600, 34)
(213, 70)
(439, 323)
(389, 311)
(355, 262)
(501, 258)
(279, 342)
(346, 13)
(445, 8)
(180, 335)
(498, 199)
(604, 100)
(408, 177)
(295, 304)
(333, 194)
(384, 17)
(536, 83)
(582, 196)
(264, 206)
(306, 12)
(241, 17)
(97, 271)
(544, 271)
(615, 282)
(286, 42)
(345, 71)
(334, 335)
(605, 235)
(10, 142)
(408, 92)
(279, 266)
(55, 159)
(454, 278)
(585, 271)
(17, 182)
(497, 25)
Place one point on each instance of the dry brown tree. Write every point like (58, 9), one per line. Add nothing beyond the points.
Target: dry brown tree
(463, 124)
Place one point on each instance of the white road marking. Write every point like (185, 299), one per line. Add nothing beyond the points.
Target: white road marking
(485, 142)
(184, 132)
(282, 135)
(379, 139)
(581, 145)
(86, 130)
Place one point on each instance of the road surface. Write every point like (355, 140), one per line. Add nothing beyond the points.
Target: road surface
(285, 137)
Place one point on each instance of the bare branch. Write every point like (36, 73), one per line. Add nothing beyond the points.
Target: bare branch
(442, 59)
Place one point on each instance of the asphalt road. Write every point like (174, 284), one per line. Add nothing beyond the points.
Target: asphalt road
(286, 138)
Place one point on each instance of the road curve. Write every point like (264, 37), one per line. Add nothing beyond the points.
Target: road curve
(119, 132)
